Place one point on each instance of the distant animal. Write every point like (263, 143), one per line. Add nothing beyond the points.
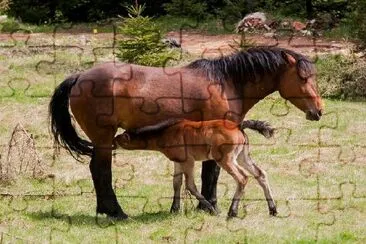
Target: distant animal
(185, 141)
(171, 43)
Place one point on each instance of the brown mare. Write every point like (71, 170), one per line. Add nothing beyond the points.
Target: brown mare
(113, 95)
(186, 141)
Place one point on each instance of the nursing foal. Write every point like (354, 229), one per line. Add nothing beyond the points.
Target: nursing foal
(185, 141)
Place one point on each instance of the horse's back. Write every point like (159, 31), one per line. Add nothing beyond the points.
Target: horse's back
(124, 95)
(131, 96)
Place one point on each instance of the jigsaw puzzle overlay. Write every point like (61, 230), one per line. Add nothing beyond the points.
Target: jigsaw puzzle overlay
(316, 169)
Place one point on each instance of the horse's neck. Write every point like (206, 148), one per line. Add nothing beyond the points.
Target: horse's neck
(256, 91)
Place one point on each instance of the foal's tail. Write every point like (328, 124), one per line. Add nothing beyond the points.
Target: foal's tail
(262, 127)
(61, 126)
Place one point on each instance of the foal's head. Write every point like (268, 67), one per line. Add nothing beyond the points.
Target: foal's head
(130, 141)
(297, 84)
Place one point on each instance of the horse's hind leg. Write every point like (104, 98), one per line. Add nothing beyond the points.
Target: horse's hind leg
(260, 175)
(100, 168)
(262, 179)
(192, 188)
(177, 184)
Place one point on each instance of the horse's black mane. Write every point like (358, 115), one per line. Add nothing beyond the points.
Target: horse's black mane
(247, 66)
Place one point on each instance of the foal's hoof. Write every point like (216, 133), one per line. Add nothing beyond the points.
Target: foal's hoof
(273, 211)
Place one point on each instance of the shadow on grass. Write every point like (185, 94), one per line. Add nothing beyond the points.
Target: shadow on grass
(101, 220)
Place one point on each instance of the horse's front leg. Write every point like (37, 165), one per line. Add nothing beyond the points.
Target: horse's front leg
(209, 176)
(101, 171)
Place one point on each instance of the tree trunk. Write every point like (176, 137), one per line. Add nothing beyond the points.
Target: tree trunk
(309, 9)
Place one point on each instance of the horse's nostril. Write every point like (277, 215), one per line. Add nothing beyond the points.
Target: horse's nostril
(320, 113)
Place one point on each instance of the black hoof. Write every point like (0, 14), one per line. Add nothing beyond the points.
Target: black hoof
(213, 212)
(118, 217)
(115, 214)
(174, 209)
(273, 211)
(207, 209)
(232, 214)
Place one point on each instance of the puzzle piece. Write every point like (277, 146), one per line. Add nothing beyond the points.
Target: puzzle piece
(305, 167)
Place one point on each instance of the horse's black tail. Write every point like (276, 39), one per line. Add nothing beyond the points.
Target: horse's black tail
(61, 126)
(262, 127)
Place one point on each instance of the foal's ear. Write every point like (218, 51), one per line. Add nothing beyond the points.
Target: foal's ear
(126, 137)
(289, 58)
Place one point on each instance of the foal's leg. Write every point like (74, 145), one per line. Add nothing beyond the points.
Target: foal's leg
(260, 175)
(209, 176)
(177, 184)
(240, 177)
(192, 188)
(100, 168)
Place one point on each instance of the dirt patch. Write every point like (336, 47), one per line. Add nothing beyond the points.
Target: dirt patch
(215, 45)
(194, 43)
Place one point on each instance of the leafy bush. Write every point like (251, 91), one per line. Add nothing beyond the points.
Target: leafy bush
(237, 8)
(232, 12)
(9, 26)
(186, 8)
(360, 22)
(143, 44)
(342, 77)
(90, 10)
(4, 6)
(32, 11)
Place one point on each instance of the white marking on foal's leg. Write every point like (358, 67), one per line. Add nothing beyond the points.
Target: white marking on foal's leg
(260, 175)
(241, 179)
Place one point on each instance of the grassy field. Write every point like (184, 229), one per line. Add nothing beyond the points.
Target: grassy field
(168, 23)
(316, 169)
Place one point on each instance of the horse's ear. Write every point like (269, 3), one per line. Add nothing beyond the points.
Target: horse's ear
(289, 58)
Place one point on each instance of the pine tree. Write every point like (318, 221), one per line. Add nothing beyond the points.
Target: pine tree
(143, 40)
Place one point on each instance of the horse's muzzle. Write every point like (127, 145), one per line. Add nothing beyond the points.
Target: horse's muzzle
(314, 115)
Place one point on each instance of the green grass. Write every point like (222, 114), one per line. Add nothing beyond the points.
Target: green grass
(166, 24)
(209, 26)
(344, 31)
(12, 25)
(341, 77)
(143, 180)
